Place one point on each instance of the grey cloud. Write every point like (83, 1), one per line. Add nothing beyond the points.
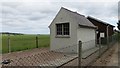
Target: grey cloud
(30, 17)
(11, 10)
(119, 10)
(101, 9)
(37, 16)
(11, 4)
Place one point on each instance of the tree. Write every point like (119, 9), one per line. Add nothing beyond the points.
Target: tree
(118, 25)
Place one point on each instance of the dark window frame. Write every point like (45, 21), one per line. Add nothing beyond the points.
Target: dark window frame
(63, 29)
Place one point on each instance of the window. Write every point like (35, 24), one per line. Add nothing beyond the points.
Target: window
(59, 29)
(66, 29)
(62, 29)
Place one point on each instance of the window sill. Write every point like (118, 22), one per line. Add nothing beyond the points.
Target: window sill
(62, 36)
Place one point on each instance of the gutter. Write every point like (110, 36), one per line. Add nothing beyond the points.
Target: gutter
(84, 26)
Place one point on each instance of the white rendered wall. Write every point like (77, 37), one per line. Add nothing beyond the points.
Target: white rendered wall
(87, 36)
(57, 43)
(76, 34)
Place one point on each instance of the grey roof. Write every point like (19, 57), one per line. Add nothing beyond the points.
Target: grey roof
(100, 21)
(81, 19)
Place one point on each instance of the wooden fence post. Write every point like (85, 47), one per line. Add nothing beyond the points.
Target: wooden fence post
(36, 41)
(99, 46)
(79, 53)
(108, 38)
(9, 48)
(96, 37)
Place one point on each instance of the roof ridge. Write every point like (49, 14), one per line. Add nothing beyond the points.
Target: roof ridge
(99, 20)
(72, 11)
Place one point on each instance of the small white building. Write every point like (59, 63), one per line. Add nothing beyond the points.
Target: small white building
(68, 28)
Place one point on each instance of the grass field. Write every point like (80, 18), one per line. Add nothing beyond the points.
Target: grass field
(24, 42)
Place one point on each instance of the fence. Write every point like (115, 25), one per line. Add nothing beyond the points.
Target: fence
(13, 43)
(58, 57)
(98, 50)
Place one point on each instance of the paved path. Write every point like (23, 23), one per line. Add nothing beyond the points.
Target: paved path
(109, 58)
(87, 57)
(24, 53)
(38, 57)
(114, 58)
(89, 52)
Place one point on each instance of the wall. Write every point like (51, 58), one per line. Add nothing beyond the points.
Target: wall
(57, 43)
(101, 27)
(76, 33)
(110, 31)
(87, 36)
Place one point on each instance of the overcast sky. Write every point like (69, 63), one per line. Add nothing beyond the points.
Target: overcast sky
(34, 17)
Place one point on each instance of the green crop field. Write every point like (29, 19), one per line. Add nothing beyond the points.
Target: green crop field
(24, 42)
